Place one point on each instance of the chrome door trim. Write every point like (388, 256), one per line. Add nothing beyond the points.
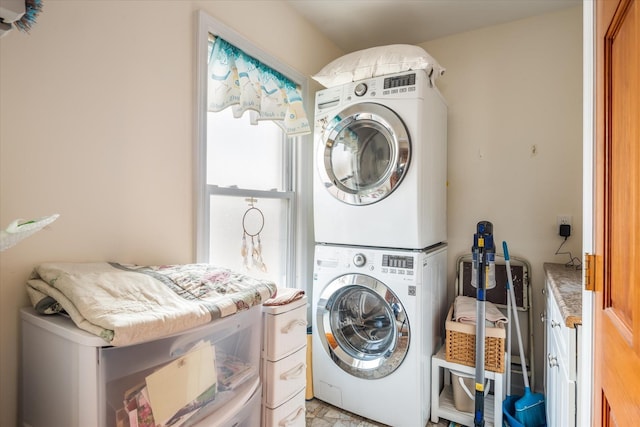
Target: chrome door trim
(384, 121)
(384, 355)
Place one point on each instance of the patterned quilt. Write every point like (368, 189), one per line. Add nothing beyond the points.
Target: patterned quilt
(129, 304)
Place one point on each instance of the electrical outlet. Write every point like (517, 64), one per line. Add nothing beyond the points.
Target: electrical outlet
(564, 220)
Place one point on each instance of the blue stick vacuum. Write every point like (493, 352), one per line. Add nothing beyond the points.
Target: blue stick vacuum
(483, 252)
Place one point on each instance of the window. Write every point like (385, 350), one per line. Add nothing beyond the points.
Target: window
(248, 188)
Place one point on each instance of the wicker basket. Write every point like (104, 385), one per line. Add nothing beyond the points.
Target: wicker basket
(460, 346)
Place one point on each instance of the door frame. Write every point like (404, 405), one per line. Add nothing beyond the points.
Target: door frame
(585, 398)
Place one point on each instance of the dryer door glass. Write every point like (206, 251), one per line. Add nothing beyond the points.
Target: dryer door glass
(363, 326)
(364, 154)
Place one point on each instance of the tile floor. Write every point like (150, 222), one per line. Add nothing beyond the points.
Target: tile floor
(321, 414)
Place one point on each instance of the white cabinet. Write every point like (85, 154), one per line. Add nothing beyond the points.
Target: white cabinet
(284, 366)
(561, 365)
(71, 378)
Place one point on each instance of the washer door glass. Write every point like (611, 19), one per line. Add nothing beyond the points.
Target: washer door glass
(363, 326)
(364, 153)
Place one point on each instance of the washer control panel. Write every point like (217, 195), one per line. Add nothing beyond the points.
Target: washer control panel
(388, 264)
(359, 260)
(397, 264)
(397, 261)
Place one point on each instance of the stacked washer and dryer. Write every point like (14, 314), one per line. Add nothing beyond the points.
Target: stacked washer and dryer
(379, 285)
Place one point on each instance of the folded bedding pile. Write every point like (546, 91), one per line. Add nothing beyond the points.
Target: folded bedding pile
(128, 304)
(284, 296)
(465, 311)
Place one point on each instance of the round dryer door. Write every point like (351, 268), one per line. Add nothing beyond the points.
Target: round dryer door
(362, 326)
(364, 153)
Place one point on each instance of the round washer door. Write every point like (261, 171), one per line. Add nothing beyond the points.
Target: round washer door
(362, 326)
(364, 153)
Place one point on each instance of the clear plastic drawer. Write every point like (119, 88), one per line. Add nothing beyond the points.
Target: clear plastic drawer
(183, 378)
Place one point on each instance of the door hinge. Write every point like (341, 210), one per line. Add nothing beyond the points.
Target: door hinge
(590, 272)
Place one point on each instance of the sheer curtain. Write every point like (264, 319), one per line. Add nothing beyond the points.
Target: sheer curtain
(238, 80)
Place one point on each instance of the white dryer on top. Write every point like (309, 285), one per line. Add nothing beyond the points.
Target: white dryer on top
(381, 163)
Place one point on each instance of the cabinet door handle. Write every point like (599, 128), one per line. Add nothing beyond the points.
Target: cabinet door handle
(553, 360)
(290, 420)
(555, 324)
(289, 326)
(293, 373)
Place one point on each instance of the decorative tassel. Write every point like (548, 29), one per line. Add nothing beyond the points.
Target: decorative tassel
(243, 251)
(258, 262)
(33, 9)
(254, 253)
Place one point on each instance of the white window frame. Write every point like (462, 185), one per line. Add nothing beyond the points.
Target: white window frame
(298, 180)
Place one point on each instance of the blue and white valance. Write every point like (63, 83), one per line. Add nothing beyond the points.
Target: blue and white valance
(242, 82)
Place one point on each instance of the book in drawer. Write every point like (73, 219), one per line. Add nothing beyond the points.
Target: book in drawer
(74, 379)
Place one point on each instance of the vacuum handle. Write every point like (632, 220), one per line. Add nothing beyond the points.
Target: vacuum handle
(464, 387)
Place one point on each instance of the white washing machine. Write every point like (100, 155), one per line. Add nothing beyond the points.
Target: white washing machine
(381, 162)
(378, 316)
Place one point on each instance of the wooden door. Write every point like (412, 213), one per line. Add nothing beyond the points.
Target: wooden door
(617, 217)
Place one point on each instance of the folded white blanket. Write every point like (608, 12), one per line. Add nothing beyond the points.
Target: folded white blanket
(465, 311)
(127, 304)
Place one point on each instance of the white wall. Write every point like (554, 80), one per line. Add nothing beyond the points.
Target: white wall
(515, 140)
(97, 124)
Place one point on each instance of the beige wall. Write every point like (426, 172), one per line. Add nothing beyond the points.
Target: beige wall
(97, 124)
(515, 140)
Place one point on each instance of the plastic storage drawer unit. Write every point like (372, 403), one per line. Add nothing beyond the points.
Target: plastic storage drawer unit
(72, 378)
(284, 364)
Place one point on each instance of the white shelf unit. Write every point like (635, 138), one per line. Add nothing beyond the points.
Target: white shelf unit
(442, 404)
(521, 271)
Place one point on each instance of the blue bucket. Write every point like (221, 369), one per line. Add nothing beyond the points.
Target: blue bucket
(509, 411)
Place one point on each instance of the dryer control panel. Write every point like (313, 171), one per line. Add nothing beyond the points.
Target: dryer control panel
(399, 81)
(397, 85)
